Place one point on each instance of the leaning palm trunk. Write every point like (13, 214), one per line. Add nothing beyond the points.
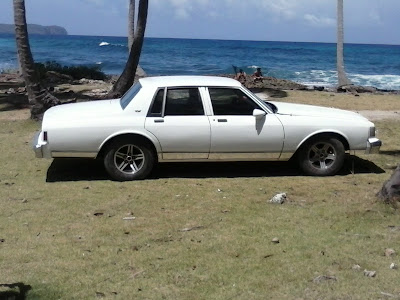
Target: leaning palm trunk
(127, 77)
(39, 98)
(131, 23)
(342, 78)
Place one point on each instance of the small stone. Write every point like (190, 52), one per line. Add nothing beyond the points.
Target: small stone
(356, 267)
(393, 266)
(390, 252)
(129, 218)
(278, 198)
(369, 273)
(323, 278)
(275, 240)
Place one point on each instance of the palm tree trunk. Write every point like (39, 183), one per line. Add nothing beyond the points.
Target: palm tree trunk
(342, 78)
(131, 23)
(127, 77)
(39, 98)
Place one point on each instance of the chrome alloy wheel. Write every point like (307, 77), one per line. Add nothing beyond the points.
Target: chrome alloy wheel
(322, 155)
(129, 159)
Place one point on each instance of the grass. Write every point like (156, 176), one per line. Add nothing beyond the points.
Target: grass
(65, 237)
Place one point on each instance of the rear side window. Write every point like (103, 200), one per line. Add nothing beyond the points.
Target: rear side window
(130, 94)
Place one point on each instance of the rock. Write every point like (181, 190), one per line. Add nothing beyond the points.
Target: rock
(319, 88)
(275, 240)
(390, 192)
(10, 91)
(323, 278)
(356, 267)
(390, 252)
(278, 198)
(369, 273)
(393, 266)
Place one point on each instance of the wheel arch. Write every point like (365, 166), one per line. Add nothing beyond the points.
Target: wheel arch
(325, 134)
(152, 142)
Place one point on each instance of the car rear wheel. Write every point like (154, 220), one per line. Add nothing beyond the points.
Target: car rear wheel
(322, 156)
(127, 159)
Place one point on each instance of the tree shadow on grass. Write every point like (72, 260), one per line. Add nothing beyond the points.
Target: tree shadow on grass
(93, 170)
(14, 291)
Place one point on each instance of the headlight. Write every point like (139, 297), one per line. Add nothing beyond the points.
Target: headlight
(372, 131)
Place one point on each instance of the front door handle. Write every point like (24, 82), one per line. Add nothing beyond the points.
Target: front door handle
(159, 121)
(222, 120)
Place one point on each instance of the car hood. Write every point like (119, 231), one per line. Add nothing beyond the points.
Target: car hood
(314, 111)
(81, 111)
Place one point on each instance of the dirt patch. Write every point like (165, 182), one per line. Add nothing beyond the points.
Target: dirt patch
(377, 115)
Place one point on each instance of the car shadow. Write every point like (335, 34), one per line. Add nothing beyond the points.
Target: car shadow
(68, 169)
(15, 291)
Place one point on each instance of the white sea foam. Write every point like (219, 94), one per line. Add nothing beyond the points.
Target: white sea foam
(104, 44)
(329, 78)
(253, 67)
(99, 63)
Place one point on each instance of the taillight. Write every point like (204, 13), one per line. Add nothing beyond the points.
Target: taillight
(45, 136)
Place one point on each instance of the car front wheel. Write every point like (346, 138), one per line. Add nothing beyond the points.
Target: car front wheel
(128, 160)
(322, 156)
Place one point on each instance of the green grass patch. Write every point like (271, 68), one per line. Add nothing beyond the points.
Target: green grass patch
(67, 239)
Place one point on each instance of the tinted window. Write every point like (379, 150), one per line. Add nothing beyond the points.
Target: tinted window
(156, 109)
(231, 102)
(183, 102)
(130, 94)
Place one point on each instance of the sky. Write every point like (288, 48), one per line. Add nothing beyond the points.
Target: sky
(366, 21)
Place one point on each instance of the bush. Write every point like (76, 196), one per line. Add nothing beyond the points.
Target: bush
(77, 72)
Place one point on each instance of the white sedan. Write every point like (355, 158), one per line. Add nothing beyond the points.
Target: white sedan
(201, 119)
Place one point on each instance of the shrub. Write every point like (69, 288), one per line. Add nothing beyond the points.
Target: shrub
(77, 72)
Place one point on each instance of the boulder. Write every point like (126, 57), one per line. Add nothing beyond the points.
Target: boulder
(390, 192)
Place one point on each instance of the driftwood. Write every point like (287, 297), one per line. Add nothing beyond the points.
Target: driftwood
(390, 192)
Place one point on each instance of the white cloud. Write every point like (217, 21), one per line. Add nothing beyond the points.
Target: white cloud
(319, 21)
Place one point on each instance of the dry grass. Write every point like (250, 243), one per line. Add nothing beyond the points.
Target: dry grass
(345, 100)
(64, 233)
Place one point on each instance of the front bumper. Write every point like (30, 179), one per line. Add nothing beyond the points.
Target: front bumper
(373, 146)
(39, 146)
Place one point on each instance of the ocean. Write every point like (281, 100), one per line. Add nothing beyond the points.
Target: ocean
(307, 63)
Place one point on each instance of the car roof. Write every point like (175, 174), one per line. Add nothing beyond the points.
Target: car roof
(177, 81)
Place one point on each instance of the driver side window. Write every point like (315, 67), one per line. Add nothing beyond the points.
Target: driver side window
(231, 102)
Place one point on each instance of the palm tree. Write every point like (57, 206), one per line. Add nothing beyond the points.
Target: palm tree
(131, 23)
(342, 78)
(39, 98)
(127, 77)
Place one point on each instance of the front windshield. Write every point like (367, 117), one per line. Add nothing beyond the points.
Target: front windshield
(130, 94)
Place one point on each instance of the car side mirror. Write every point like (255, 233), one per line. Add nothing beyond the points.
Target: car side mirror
(259, 114)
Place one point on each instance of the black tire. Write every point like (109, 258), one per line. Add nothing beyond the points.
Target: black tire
(128, 159)
(323, 156)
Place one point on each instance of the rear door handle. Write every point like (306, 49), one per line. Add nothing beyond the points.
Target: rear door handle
(159, 121)
(222, 120)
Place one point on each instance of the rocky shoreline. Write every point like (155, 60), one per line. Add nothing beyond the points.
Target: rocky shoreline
(69, 90)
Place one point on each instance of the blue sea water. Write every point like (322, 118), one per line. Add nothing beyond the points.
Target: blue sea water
(307, 63)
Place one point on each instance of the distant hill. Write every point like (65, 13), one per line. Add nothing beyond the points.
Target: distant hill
(35, 29)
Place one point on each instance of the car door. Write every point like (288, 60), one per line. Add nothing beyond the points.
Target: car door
(236, 133)
(177, 119)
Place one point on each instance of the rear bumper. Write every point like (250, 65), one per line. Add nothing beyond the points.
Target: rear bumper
(39, 146)
(373, 146)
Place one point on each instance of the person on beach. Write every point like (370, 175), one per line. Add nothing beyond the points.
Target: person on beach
(258, 76)
(241, 76)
